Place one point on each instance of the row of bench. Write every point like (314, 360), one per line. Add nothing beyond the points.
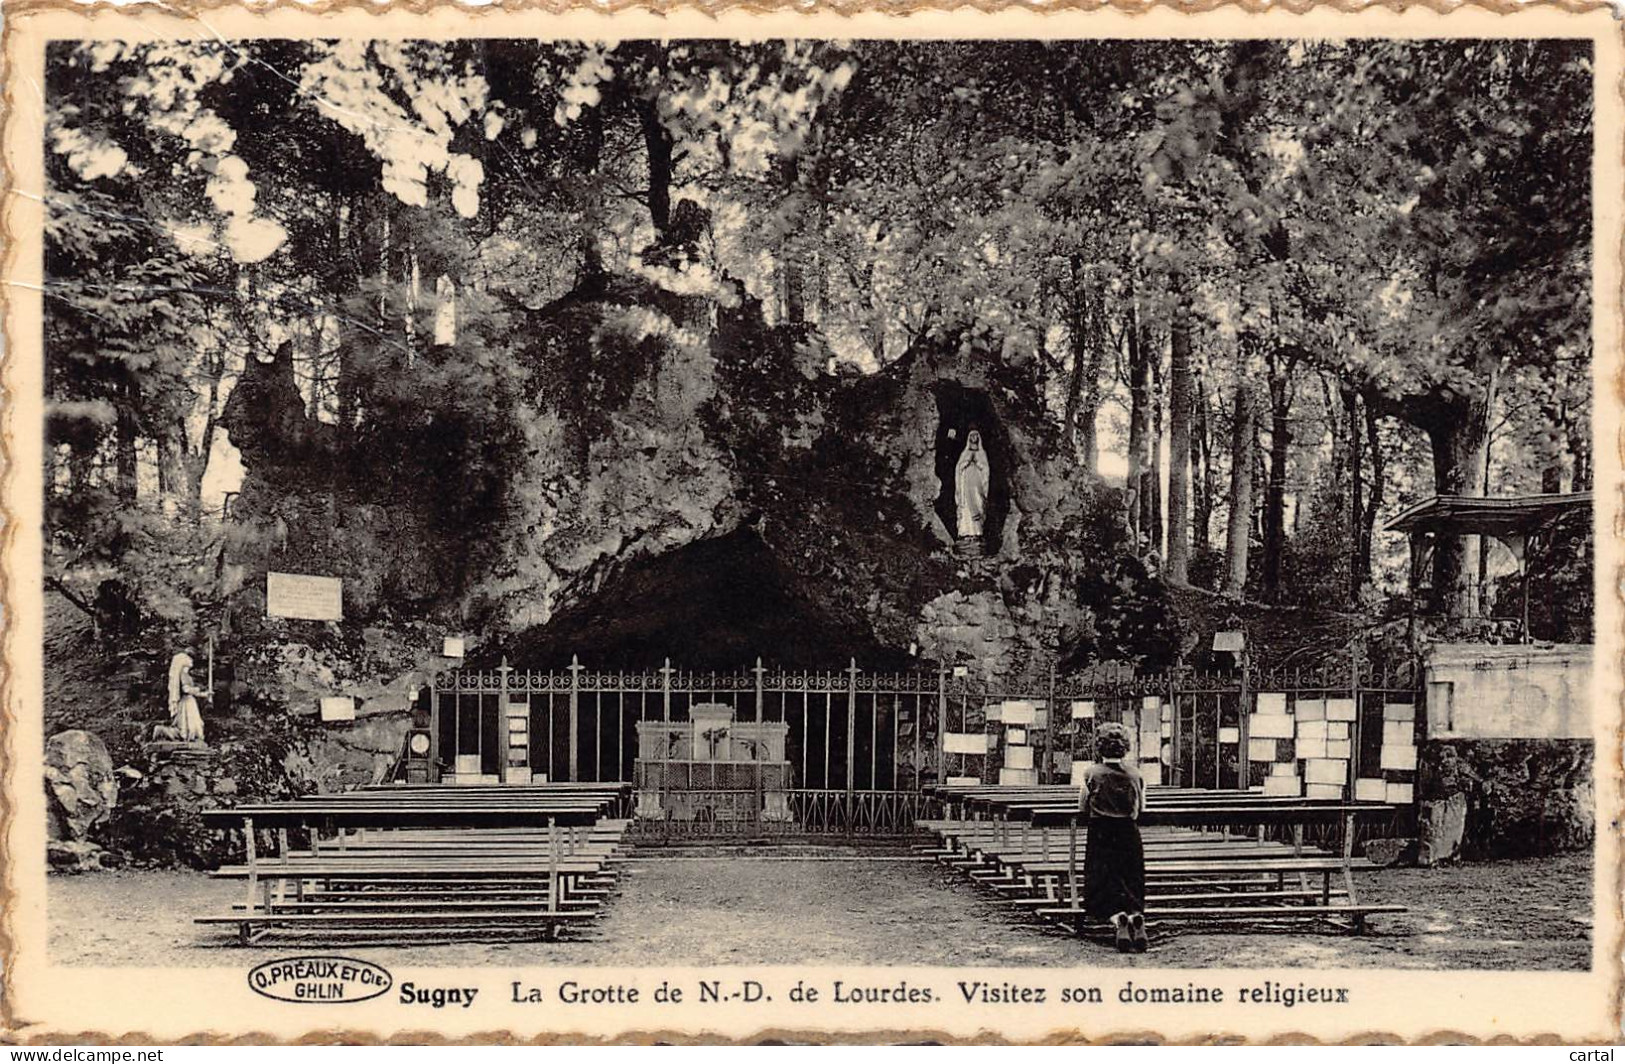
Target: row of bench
(1212, 857)
(427, 863)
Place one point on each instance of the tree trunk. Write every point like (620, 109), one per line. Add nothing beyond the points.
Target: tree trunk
(368, 235)
(1076, 343)
(1483, 577)
(340, 284)
(82, 469)
(1202, 459)
(1459, 434)
(877, 317)
(1084, 330)
(1580, 448)
(52, 468)
(1139, 416)
(1356, 524)
(1374, 504)
(657, 145)
(1154, 468)
(1551, 476)
(1275, 486)
(180, 473)
(877, 329)
(1095, 339)
(1576, 432)
(126, 432)
(795, 287)
(820, 287)
(1179, 443)
(1241, 492)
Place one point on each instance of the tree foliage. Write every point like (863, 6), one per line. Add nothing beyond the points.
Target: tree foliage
(485, 319)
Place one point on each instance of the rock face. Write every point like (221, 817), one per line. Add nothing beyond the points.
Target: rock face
(81, 793)
(76, 857)
(341, 756)
(80, 785)
(844, 485)
(1487, 798)
(852, 481)
(378, 666)
(720, 603)
(977, 628)
(637, 422)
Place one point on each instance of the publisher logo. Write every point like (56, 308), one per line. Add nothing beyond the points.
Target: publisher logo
(321, 980)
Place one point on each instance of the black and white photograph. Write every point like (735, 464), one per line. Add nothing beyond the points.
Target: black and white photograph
(1119, 511)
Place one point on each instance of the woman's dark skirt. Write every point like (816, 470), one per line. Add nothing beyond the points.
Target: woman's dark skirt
(1113, 868)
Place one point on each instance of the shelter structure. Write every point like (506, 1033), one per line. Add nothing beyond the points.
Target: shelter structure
(1515, 520)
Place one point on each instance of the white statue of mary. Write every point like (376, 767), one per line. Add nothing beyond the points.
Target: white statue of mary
(184, 716)
(970, 486)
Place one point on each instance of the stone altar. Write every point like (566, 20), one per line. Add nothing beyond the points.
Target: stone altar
(712, 767)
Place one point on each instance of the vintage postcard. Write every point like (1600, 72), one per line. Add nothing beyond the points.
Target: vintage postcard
(1008, 526)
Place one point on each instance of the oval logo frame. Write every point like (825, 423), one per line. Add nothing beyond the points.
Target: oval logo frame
(318, 979)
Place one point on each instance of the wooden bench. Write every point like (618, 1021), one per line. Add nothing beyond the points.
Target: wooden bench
(1006, 842)
(481, 860)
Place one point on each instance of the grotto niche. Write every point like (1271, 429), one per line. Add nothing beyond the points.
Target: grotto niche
(973, 458)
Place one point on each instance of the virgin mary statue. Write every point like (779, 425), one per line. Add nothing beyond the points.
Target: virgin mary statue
(183, 711)
(970, 486)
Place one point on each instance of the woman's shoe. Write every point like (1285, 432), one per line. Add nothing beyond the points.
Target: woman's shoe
(1136, 925)
(1125, 937)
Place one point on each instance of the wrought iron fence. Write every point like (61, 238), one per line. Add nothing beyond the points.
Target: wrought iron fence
(859, 734)
(848, 730)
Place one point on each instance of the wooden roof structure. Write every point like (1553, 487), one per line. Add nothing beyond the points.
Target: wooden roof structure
(1512, 519)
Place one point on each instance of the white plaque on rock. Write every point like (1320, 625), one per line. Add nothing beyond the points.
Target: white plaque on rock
(338, 707)
(1325, 770)
(304, 598)
(1018, 713)
(1283, 786)
(1269, 726)
(1398, 758)
(1341, 709)
(964, 743)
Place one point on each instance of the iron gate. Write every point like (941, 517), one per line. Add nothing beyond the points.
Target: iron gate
(857, 739)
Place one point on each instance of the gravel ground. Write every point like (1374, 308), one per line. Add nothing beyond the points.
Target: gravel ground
(855, 907)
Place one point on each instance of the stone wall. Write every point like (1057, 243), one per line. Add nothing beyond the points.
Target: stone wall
(1479, 691)
(1506, 763)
